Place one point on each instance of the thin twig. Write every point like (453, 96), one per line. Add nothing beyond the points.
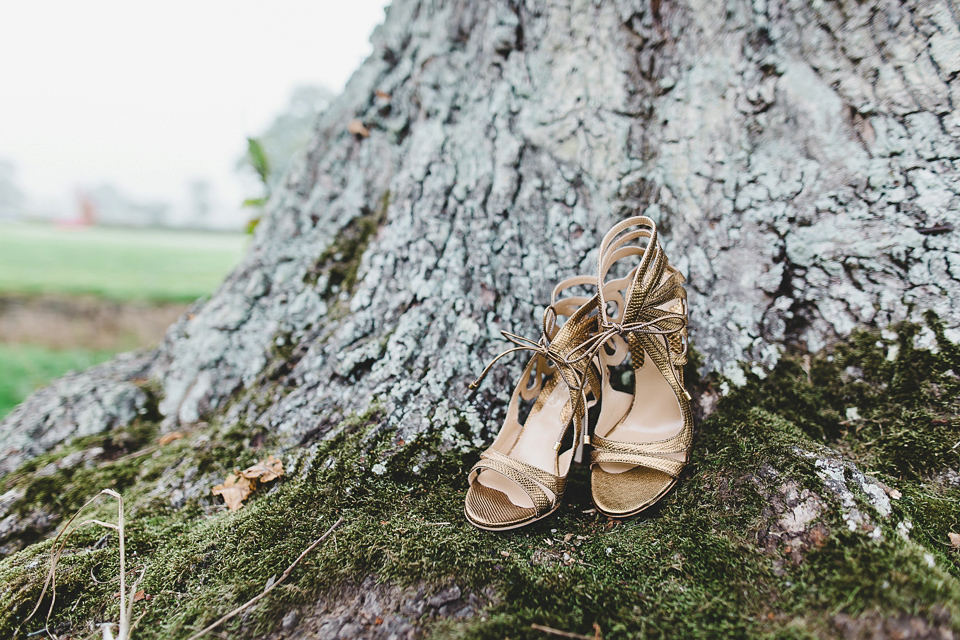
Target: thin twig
(137, 454)
(558, 632)
(249, 603)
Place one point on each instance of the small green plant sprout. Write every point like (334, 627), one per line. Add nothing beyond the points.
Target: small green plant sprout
(124, 627)
(257, 158)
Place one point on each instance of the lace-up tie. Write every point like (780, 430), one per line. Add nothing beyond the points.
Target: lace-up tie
(565, 365)
(665, 325)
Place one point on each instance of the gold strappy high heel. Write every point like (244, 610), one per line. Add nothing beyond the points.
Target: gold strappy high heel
(641, 441)
(522, 476)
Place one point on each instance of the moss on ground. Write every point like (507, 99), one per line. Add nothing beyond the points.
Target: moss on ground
(706, 562)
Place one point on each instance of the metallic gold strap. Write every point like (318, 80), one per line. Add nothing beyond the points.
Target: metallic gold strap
(667, 465)
(673, 444)
(654, 284)
(647, 454)
(554, 483)
(541, 502)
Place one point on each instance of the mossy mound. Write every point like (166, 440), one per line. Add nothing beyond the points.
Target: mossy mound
(774, 532)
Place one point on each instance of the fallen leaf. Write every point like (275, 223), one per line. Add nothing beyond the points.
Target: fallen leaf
(505, 554)
(141, 595)
(356, 128)
(169, 437)
(954, 540)
(234, 491)
(270, 468)
(568, 537)
(378, 621)
(818, 537)
(890, 491)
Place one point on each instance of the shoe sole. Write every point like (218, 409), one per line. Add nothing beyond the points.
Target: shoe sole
(512, 526)
(630, 514)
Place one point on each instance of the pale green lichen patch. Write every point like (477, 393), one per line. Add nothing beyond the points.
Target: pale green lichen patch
(773, 531)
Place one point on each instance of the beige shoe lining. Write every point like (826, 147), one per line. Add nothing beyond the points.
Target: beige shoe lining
(534, 446)
(650, 414)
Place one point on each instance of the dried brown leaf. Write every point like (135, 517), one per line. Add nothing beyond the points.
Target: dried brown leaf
(357, 128)
(954, 540)
(270, 468)
(141, 595)
(893, 493)
(168, 438)
(234, 491)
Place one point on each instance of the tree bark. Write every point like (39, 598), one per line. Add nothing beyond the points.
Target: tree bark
(800, 158)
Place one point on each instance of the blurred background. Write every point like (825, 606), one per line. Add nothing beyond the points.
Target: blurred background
(138, 143)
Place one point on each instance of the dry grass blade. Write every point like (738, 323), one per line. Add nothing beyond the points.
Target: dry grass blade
(286, 572)
(558, 632)
(60, 542)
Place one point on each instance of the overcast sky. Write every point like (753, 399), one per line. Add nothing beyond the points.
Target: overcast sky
(149, 96)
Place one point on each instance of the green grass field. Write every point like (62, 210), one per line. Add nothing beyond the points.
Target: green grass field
(124, 264)
(24, 368)
(120, 264)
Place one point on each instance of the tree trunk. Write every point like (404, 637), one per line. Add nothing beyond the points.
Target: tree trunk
(800, 159)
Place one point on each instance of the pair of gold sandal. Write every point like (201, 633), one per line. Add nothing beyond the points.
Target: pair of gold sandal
(639, 441)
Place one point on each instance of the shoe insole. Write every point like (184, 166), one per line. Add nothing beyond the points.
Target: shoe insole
(534, 445)
(651, 414)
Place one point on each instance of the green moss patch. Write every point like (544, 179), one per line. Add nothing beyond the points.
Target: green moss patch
(711, 560)
(337, 266)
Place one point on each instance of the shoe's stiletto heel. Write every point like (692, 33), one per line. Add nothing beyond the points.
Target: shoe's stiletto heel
(641, 441)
